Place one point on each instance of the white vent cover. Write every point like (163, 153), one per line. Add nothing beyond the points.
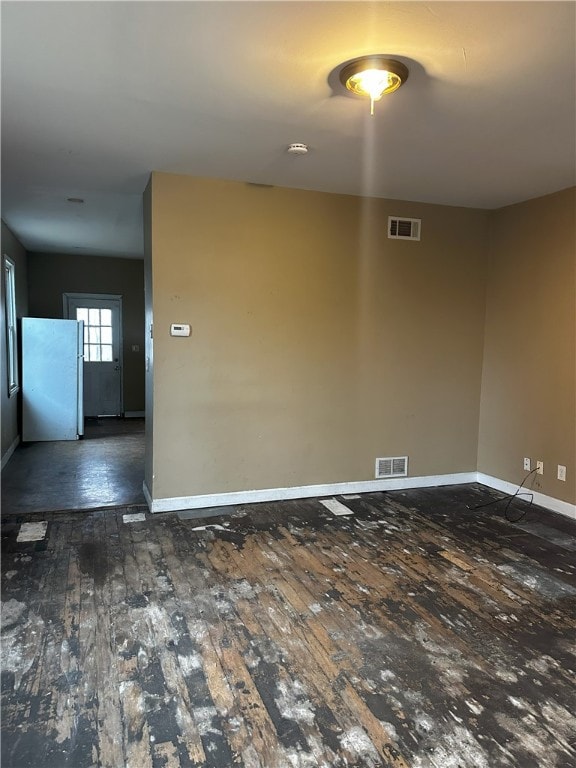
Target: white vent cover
(395, 466)
(404, 229)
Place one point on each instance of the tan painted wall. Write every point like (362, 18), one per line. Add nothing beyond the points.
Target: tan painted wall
(318, 344)
(51, 275)
(11, 406)
(528, 405)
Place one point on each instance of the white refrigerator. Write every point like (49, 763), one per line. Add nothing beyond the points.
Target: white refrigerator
(52, 379)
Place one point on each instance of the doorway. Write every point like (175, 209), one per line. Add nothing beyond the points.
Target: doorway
(102, 317)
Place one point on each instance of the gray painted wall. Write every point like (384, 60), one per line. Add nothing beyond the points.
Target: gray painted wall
(51, 275)
(12, 248)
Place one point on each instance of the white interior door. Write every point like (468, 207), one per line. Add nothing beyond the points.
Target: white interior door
(102, 317)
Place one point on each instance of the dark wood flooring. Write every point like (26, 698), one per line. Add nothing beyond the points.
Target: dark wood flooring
(417, 632)
(104, 469)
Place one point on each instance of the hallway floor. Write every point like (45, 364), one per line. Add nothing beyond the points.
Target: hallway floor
(414, 632)
(104, 469)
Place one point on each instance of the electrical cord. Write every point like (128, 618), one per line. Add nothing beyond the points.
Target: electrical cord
(510, 497)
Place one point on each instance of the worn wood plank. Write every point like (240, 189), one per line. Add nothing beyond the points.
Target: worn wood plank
(414, 632)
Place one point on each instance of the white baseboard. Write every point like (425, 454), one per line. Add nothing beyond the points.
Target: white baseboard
(204, 501)
(134, 414)
(548, 502)
(10, 451)
(179, 503)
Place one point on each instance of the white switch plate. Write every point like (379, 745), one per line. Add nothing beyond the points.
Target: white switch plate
(527, 466)
(180, 329)
(561, 472)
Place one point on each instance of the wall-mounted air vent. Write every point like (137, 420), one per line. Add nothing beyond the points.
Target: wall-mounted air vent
(404, 229)
(396, 466)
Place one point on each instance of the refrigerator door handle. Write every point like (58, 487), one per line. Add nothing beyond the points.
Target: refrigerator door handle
(80, 400)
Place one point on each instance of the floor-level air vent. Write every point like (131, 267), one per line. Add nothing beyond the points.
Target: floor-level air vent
(404, 229)
(396, 466)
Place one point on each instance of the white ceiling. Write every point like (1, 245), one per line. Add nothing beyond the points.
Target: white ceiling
(96, 95)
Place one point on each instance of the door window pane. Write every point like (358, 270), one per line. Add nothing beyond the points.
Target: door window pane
(95, 353)
(97, 334)
(105, 317)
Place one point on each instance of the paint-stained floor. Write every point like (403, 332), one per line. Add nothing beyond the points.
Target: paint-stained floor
(416, 632)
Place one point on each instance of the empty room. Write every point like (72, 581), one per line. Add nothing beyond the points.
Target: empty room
(299, 489)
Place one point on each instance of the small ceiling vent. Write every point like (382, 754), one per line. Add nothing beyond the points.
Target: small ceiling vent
(404, 229)
(396, 466)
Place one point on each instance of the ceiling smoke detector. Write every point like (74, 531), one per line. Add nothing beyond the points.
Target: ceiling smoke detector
(297, 149)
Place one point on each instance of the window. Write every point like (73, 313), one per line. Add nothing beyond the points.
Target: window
(97, 334)
(11, 329)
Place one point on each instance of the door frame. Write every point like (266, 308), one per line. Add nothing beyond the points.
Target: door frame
(102, 297)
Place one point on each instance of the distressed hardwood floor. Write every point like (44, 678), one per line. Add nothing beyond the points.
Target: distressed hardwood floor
(416, 633)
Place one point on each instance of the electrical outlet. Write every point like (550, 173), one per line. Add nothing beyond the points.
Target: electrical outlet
(527, 465)
(561, 472)
(539, 467)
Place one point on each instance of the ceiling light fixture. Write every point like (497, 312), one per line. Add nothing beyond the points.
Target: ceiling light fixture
(373, 76)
